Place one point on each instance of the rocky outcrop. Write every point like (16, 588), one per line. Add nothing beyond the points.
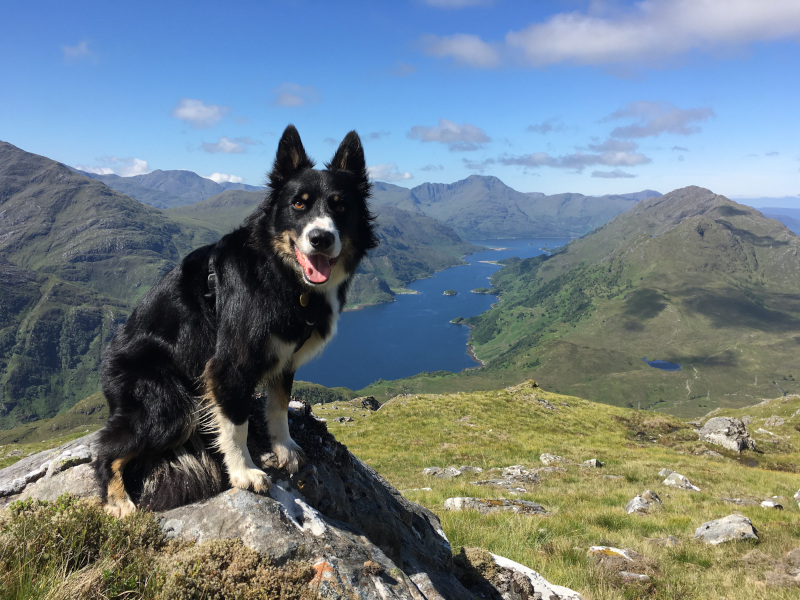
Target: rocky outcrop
(490, 505)
(644, 503)
(728, 432)
(360, 535)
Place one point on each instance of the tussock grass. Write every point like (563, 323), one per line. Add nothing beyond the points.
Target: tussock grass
(515, 425)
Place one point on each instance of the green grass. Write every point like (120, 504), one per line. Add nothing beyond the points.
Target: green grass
(501, 428)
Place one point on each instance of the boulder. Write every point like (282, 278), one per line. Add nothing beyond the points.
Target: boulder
(732, 528)
(728, 432)
(677, 480)
(487, 505)
(336, 514)
(592, 462)
(515, 479)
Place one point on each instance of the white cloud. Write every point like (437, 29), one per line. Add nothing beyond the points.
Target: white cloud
(464, 48)
(463, 138)
(293, 95)
(649, 30)
(124, 167)
(227, 145)
(224, 178)
(78, 52)
(388, 172)
(655, 118)
(197, 113)
(611, 154)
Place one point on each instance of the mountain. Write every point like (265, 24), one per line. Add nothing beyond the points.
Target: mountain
(691, 278)
(481, 207)
(164, 189)
(788, 216)
(75, 257)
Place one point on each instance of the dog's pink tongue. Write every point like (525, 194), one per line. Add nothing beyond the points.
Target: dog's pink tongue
(317, 267)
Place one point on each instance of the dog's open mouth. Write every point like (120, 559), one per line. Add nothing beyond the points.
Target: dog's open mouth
(316, 267)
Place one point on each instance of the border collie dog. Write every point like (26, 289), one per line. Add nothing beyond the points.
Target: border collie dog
(180, 375)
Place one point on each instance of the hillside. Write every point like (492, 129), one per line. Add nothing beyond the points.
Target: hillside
(481, 207)
(690, 278)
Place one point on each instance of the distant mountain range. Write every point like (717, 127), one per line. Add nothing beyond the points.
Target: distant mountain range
(481, 207)
(164, 189)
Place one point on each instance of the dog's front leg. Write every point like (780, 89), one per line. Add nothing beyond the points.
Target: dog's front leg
(229, 422)
(290, 455)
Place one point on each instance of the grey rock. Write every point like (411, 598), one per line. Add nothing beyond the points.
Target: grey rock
(592, 462)
(665, 472)
(797, 498)
(438, 472)
(549, 459)
(486, 505)
(774, 421)
(677, 480)
(369, 402)
(773, 503)
(516, 479)
(734, 527)
(541, 587)
(644, 503)
(740, 501)
(728, 432)
(634, 577)
(343, 419)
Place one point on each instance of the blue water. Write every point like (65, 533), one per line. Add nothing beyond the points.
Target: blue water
(663, 365)
(414, 334)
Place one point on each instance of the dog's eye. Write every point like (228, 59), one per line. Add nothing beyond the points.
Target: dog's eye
(299, 205)
(339, 207)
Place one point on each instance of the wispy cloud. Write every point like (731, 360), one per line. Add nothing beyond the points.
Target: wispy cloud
(78, 52)
(611, 153)
(460, 138)
(227, 145)
(197, 113)
(114, 165)
(388, 172)
(552, 125)
(293, 95)
(465, 48)
(646, 31)
(615, 174)
(654, 118)
(224, 178)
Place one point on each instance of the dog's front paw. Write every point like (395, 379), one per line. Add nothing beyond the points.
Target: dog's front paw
(253, 479)
(120, 508)
(290, 456)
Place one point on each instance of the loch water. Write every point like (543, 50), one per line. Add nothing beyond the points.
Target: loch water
(414, 334)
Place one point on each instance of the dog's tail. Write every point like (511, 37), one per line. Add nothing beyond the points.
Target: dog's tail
(188, 474)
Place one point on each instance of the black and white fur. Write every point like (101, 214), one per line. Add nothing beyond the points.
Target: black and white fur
(179, 376)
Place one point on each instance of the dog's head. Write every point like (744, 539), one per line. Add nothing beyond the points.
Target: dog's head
(319, 220)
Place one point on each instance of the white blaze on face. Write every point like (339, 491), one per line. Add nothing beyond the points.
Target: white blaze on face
(317, 264)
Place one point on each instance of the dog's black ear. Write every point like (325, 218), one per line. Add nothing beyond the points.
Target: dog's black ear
(290, 159)
(350, 156)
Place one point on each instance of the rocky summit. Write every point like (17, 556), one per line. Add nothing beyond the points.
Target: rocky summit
(360, 536)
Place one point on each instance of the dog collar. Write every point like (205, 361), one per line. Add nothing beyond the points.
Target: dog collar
(304, 299)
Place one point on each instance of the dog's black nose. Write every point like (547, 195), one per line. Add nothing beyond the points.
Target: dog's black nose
(321, 239)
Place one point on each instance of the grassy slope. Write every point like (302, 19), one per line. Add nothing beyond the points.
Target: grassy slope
(501, 428)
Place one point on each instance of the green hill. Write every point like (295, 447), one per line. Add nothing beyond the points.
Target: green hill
(690, 278)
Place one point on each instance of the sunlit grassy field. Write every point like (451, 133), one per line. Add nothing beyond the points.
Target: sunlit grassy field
(586, 508)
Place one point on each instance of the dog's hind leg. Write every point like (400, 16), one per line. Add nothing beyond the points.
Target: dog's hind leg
(290, 455)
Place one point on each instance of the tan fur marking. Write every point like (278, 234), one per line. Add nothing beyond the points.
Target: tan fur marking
(118, 503)
(304, 196)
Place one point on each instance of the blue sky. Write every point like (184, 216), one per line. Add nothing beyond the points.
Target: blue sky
(554, 96)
